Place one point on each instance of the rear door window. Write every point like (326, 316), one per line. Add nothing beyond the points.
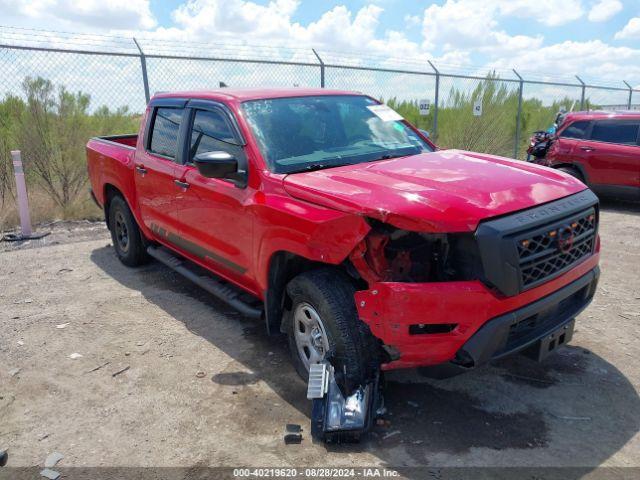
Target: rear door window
(575, 130)
(164, 133)
(616, 131)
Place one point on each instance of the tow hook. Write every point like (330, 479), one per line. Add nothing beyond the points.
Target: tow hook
(336, 418)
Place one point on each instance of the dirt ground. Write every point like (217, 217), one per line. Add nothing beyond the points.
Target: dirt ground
(134, 398)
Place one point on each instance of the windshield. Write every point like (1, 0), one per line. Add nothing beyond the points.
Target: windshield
(309, 133)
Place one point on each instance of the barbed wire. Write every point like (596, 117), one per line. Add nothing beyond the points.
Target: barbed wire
(234, 49)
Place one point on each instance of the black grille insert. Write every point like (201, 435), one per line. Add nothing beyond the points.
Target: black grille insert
(552, 249)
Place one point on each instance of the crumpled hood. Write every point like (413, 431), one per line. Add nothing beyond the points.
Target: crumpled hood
(444, 191)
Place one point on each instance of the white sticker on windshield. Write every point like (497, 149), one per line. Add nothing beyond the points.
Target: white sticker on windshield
(385, 113)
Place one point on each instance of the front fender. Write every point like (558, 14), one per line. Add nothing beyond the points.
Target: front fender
(316, 233)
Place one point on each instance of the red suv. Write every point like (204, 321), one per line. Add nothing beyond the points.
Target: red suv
(602, 149)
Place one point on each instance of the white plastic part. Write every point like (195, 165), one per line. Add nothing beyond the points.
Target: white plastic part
(318, 380)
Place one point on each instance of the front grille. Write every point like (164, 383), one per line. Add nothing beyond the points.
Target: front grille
(554, 248)
(527, 248)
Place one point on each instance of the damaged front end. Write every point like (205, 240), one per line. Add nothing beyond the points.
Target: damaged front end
(402, 274)
(390, 254)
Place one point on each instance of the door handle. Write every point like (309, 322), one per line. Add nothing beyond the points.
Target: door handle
(181, 184)
(141, 170)
(587, 149)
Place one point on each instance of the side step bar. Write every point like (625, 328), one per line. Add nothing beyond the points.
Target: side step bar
(223, 290)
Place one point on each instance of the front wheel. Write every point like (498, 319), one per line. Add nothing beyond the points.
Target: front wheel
(323, 320)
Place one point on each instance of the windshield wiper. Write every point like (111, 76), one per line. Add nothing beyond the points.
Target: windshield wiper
(320, 166)
(388, 156)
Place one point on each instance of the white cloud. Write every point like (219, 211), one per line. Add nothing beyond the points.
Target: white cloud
(592, 59)
(603, 10)
(459, 31)
(630, 30)
(81, 14)
(469, 24)
(552, 13)
(412, 20)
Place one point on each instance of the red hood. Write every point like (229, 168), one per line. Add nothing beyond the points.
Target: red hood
(445, 191)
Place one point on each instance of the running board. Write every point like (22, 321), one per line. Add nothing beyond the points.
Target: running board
(225, 291)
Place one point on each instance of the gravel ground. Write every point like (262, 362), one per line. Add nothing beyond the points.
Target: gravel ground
(134, 397)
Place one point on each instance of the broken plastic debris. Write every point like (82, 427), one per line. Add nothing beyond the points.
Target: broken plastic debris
(50, 474)
(292, 438)
(318, 380)
(14, 372)
(334, 417)
(62, 325)
(53, 459)
(75, 356)
(293, 428)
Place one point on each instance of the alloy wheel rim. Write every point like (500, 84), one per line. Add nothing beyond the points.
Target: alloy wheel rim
(310, 335)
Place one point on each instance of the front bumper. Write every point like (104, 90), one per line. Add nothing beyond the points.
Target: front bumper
(482, 317)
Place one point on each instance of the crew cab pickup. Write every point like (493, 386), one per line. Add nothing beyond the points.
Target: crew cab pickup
(335, 221)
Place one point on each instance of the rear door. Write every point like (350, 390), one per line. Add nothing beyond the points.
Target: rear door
(214, 225)
(155, 166)
(611, 152)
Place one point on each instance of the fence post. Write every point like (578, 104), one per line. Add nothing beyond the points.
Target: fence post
(516, 149)
(436, 101)
(321, 67)
(584, 87)
(630, 94)
(143, 64)
(21, 190)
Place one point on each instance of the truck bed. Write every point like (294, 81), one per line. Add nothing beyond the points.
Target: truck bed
(110, 161)
(128, 140)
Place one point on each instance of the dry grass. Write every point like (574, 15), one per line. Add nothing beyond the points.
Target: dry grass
(43, 209)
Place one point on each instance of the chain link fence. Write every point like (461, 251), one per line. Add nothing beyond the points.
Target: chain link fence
(59, 89)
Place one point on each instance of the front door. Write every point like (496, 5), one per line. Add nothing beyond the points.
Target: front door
(214, 225)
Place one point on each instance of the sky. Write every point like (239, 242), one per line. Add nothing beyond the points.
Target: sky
(597, 39)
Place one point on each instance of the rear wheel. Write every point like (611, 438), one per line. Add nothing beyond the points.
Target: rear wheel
(125, 234)
(323, 320)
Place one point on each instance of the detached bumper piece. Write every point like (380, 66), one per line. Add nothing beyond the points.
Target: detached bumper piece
(336, 418)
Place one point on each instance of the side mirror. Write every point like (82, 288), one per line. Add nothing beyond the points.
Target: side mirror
(216, 164)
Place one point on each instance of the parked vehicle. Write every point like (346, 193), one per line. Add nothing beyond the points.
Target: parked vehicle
(337, 222)
(539, 145)
(602, 149)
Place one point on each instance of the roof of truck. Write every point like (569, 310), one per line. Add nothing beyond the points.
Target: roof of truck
(243, 94)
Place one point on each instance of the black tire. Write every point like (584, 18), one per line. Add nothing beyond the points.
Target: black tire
(573, 172)
(353, 349)
(125, 234)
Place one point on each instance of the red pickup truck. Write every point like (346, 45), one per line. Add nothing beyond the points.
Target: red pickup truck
(334, 220)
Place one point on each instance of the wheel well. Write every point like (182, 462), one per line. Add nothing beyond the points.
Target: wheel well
(109, 192)
(283, 267)
(573, 166)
